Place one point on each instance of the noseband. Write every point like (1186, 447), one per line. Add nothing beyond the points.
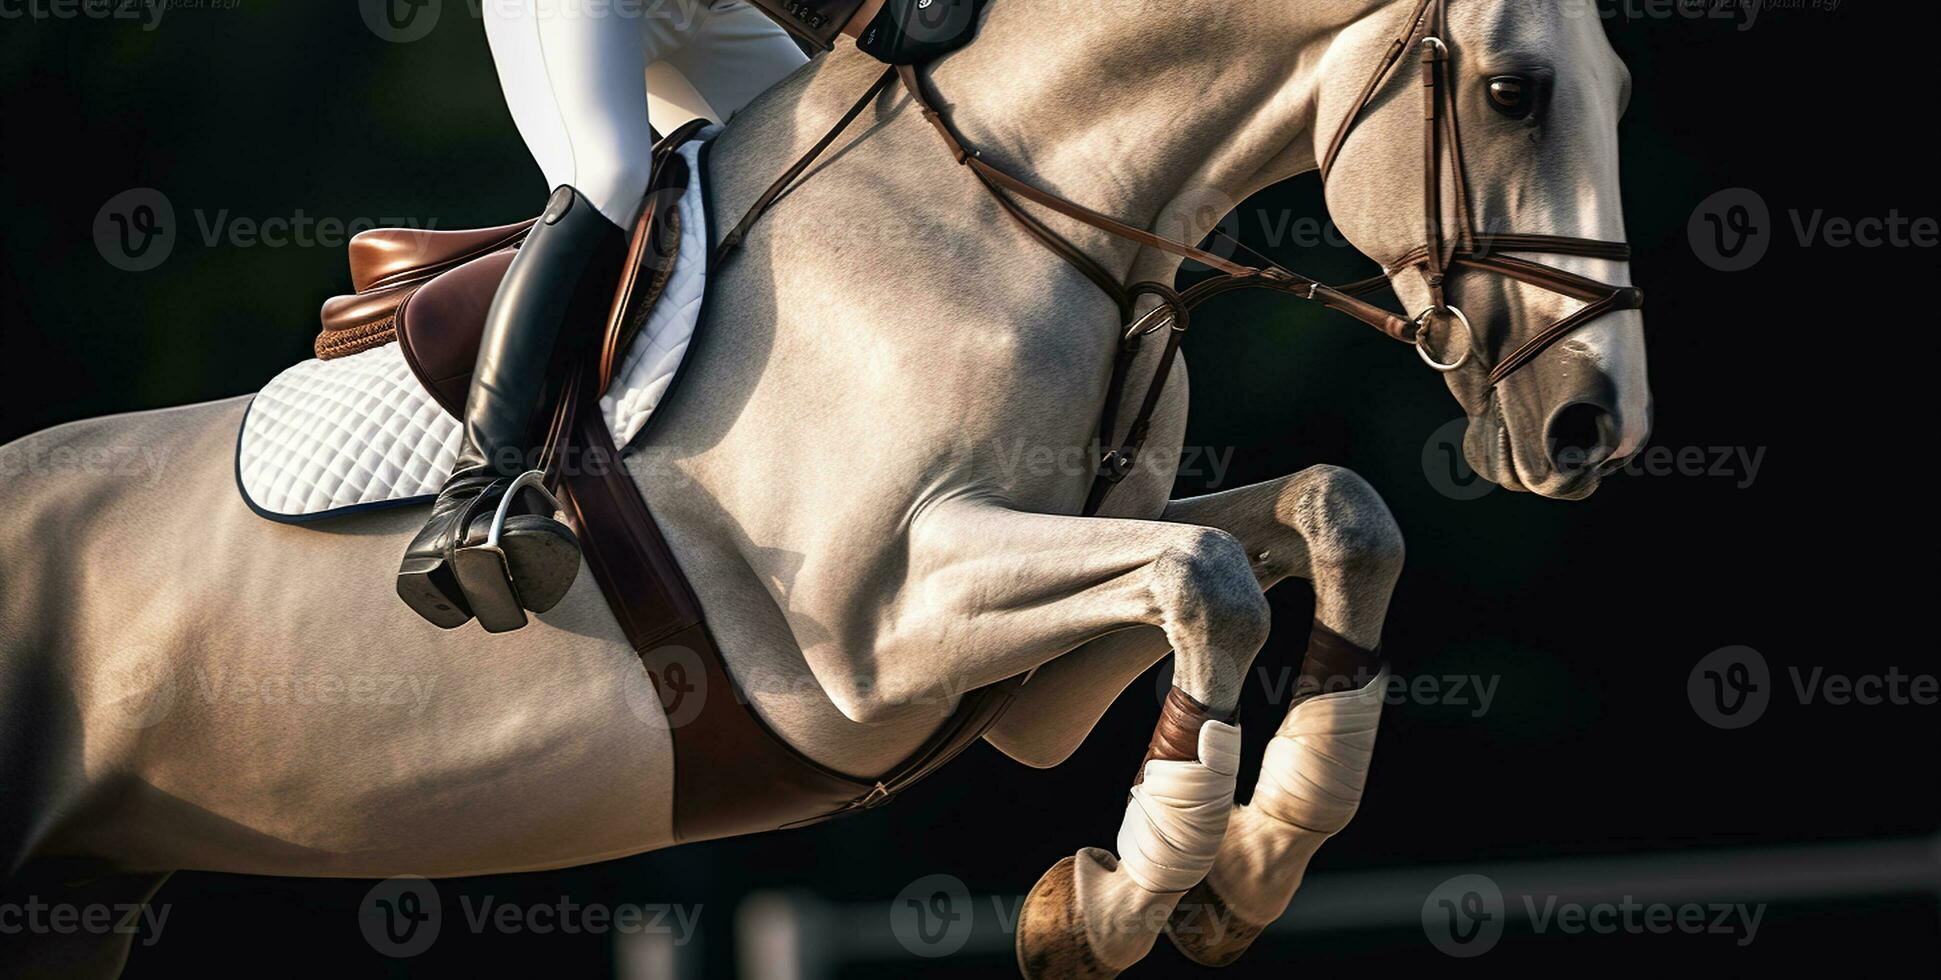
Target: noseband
(1435, 258)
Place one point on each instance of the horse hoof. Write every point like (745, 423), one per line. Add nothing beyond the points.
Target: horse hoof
(1207, 931)
(1051, 934)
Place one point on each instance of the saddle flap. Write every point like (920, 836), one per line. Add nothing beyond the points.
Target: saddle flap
(440, 324)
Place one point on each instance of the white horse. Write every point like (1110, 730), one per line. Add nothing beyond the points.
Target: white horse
(185, 685)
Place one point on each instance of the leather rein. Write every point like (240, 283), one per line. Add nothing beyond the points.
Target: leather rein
(1434, 259)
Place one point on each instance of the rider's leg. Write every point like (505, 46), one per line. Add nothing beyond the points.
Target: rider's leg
(574, 80)
(717, 66)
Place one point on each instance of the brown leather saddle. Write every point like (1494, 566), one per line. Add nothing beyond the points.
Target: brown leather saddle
(733, 775)
(430, 290)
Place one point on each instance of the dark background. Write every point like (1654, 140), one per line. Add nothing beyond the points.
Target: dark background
(1590, 615)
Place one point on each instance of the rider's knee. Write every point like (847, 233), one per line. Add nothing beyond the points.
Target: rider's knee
(616, 184)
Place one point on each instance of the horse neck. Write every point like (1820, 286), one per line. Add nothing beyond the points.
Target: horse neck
(1164, 115)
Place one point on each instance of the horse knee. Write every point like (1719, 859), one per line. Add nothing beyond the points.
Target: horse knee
(1346, 524)
(1207, 594)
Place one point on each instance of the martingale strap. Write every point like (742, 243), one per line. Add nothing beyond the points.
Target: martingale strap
(1118, 462)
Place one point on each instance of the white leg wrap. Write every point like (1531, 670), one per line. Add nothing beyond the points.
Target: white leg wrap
(1178, 814)
(1317, 763)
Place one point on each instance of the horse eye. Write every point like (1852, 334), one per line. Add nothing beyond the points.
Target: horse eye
(1512, 95)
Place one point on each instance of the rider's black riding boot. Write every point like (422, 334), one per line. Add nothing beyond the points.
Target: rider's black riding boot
(553, 302)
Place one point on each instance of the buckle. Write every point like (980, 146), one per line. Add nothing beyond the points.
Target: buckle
(1115, 466)
(877, 796)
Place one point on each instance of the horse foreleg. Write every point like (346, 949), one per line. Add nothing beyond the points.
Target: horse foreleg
(1336, 531)
(992, 591)
(1324, 524)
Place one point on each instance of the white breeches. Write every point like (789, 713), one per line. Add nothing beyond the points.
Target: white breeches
(583, 77)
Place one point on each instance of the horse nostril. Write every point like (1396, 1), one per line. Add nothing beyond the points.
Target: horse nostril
(1581, 436)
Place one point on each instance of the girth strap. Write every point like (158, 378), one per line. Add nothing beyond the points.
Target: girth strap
(733, 774)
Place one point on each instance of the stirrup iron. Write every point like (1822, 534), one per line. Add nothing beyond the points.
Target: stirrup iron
(483, 571)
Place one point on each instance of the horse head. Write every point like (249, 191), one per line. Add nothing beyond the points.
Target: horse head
(1538, 92)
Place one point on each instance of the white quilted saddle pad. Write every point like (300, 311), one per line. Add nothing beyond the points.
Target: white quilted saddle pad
(332, 437)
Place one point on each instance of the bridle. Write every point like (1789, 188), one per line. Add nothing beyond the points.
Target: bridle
(1439, 253)
(1436, 257)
